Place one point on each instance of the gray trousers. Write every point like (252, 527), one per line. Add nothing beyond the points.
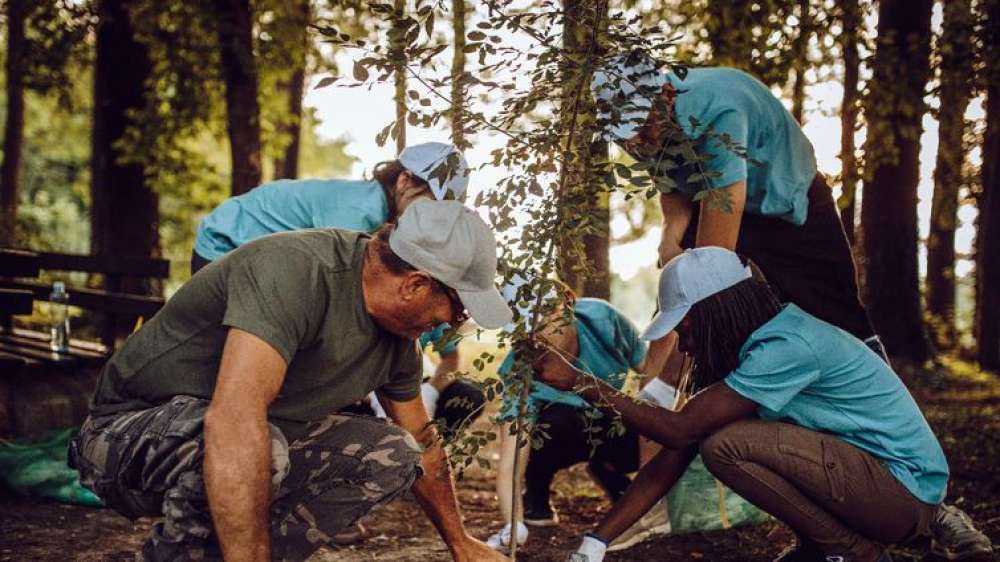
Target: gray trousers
(149, 463)
(828, 491)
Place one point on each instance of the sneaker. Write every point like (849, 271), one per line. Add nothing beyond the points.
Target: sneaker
(955, 537)
(349, 535)
(540, 516)
(501, 539)
(802, 551)
(655, 522)
(884, 557)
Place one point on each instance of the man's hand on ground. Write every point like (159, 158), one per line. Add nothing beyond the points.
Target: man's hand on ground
(474, 550)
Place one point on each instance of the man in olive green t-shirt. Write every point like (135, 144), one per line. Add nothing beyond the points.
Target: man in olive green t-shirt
(219, 414)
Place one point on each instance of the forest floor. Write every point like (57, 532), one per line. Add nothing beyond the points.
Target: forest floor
(963, 407)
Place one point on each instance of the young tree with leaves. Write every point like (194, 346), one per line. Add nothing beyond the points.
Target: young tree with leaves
(849, 14)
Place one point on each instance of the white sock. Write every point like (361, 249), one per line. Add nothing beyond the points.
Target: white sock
(594, 549)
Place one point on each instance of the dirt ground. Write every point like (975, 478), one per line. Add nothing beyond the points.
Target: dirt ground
(963, 408)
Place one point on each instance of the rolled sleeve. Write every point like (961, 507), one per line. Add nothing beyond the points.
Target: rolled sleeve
(773, 371)
(404, 384)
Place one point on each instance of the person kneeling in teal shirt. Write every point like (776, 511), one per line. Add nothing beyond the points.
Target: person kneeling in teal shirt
(794, 414)
(430, 169)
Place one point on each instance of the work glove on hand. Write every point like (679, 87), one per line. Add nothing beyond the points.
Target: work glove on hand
(591, 549)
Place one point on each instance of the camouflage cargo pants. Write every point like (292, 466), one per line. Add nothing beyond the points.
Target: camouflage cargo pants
(149, 463)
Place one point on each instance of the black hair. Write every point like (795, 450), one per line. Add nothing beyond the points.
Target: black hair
(387, 174)
(379, 244)
(720, 324)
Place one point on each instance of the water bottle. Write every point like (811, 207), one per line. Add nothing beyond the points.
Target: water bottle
(59, 330)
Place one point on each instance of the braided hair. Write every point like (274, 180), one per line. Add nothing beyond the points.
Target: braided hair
(720, 325)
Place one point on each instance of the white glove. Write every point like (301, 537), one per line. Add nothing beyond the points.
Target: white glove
(501, 539)
(659, 393)
(591, 550)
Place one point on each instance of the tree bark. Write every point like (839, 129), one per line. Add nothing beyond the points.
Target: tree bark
(288, 165)
(730, 32)
(234, 25)
(988, 234)
(889, 209)
(124, 208)
(457, 74)
(13, 137)
(586, 22)
(956, 91)
(851, 23)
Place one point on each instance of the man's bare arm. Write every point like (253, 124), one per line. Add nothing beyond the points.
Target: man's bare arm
(676, 208)
(435, 489)
(719, 226)
(238, 445)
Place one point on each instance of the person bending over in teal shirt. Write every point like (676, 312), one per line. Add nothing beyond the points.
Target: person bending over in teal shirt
(431, 169)
(781, 212)
(794, 414)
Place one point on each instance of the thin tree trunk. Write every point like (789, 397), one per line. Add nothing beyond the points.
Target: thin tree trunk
(239, 69)
(584, 185)
(457, 74)
(288, 165)
(124, 208)
(730, 33)
(397, 42)
(889, 209)
(801, 58)
(13, 137)
(851, 22)
(956, 90)
(988, 235)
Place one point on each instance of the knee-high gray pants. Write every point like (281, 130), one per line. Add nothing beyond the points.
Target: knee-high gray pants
(149, 463)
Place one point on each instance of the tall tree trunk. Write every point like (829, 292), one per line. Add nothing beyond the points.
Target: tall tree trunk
(586, 22)
(397, 43)
(234, 23)
(850, 36)
(801, 61)
(457, 74)
(730, 32)
(889, 209)
(956, 90)
(988, 235)
(124, 208)
(13, 131)
(288, 165)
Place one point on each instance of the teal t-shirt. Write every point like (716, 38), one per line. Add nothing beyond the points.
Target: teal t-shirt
(284, 205)
(733, 103)
(823, 378)
(609, 346)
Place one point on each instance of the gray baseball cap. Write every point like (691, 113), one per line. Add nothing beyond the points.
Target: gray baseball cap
(624, 89)
(455, 246)
(691, 277)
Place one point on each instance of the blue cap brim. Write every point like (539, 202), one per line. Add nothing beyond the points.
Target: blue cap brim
(664, 322)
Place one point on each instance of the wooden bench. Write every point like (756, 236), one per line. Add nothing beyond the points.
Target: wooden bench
(40, 388)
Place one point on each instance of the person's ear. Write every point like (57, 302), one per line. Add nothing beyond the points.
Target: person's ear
(415, 284)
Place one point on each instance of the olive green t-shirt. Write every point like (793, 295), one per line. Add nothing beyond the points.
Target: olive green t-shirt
(298, 291)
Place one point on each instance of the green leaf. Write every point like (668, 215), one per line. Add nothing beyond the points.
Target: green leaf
(326, 81)
(476, 36)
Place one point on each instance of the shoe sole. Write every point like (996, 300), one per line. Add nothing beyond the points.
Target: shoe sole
(549, 522)
(639, 537)
(974, 556)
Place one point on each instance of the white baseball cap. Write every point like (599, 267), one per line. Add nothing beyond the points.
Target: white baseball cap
(691, 277)
(625, 88)
(452, 243)
(439, 164)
